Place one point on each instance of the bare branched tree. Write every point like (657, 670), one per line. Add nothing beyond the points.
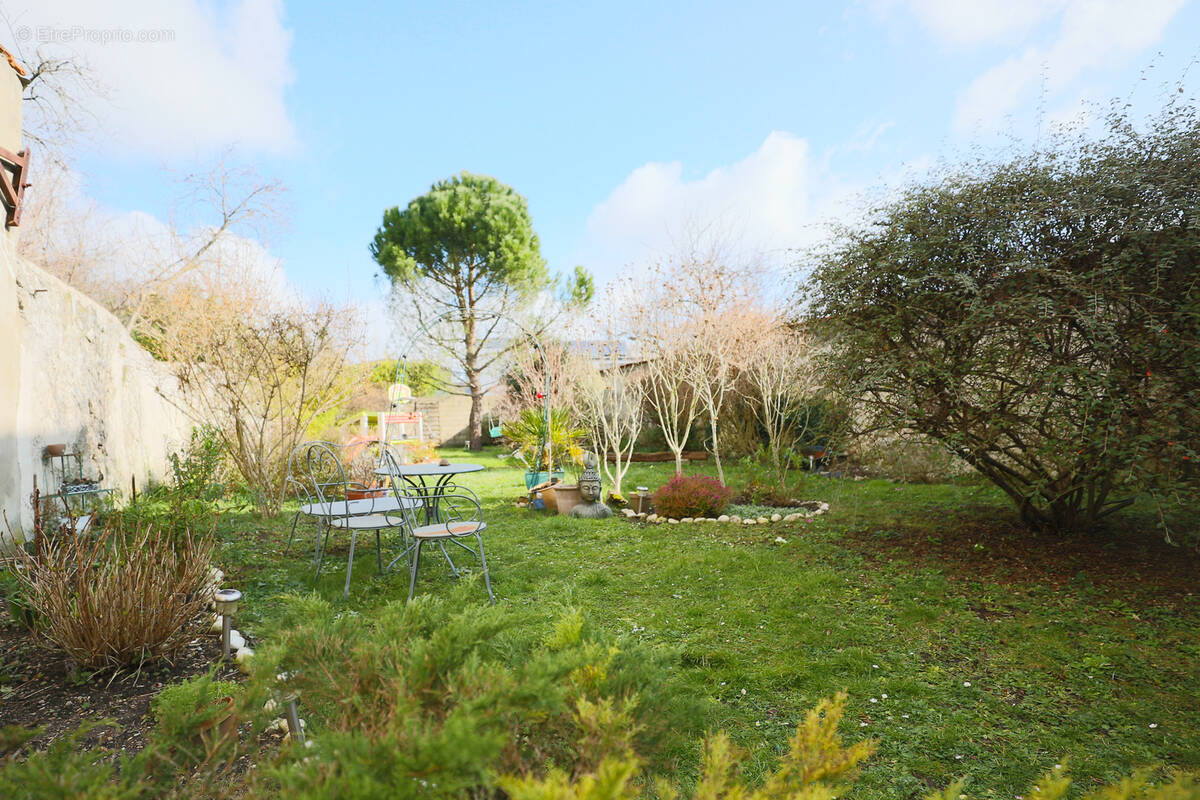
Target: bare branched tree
(127, 266)
(525, 371)
(56, 104)
(610, 400)
(722, 340)
(671, 397)
(691, 318)
(60, 91)
(232, 201)
(778, 376)
(260, 372)
(70, 237)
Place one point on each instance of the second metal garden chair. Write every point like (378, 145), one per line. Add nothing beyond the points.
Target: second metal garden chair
(456, 515)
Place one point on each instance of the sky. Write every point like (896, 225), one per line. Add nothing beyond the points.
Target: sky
(625, 125)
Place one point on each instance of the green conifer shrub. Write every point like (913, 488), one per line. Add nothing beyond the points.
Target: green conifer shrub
(438, 696)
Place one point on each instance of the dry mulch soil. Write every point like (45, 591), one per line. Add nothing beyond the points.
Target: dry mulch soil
(1121, 564)
(41, 688)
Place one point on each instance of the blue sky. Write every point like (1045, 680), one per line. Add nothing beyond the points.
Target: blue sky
(622, 123)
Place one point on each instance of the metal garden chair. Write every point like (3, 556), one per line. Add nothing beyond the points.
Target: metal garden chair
(456, 515)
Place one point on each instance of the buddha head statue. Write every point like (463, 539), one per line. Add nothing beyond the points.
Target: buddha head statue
(589, 481)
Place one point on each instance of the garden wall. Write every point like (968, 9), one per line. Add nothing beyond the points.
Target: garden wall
(446, 418)
(69, 373)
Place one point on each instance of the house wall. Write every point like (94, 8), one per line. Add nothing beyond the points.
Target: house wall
(10, 118)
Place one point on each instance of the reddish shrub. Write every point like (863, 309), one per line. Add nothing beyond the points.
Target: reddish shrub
(691, 496)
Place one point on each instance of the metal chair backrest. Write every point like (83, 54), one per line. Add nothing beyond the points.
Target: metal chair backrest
(451, 502)
(317, 468)
(410, 498)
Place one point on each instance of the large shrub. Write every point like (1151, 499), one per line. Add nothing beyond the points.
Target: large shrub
(691, 496)
(1039, 318)
(260, 377)
(198, 471)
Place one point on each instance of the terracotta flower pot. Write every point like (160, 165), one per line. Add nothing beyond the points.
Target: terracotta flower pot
(566, 496)
(56, 450)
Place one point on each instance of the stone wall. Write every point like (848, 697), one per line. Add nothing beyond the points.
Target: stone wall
(69, 373)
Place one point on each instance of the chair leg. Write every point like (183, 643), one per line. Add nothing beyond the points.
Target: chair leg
(453, 569)
(319, 555)
(349, 566)
(487, 581)
(379, 551)
(319, 550)
(292, 535)
(412, 579)
(405, 552)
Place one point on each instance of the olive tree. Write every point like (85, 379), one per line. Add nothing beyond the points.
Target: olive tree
(1038, 317)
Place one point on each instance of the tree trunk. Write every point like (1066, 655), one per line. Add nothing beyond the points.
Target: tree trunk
(475, 425)
(716, 451)
(475, 421)
(777, 463)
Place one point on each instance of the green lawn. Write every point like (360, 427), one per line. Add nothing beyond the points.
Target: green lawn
(996, 680)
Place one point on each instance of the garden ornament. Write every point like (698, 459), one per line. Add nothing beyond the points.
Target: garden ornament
(226, 601)
(589, 490)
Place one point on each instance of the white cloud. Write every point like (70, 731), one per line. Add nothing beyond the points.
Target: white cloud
(763, 201)
(972, 23)
(779, 199)
(1093, 35)
(181, 76)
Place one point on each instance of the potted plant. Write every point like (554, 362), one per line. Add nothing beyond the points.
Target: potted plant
(543, 456)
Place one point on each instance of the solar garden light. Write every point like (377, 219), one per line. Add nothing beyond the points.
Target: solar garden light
(293, 718)
(226, 601)
(641, 493)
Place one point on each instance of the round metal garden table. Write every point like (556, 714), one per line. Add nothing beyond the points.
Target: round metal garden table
(418, 475)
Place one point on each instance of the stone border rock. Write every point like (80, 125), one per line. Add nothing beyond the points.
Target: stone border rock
(820, 507)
